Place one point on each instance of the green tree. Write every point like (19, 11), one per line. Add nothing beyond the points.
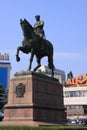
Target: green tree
(3, 96)
(70, 75)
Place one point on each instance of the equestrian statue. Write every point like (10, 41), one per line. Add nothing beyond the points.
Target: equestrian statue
(34, 42)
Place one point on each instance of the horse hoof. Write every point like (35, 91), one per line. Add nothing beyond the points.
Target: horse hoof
(34, 70)
(18, 59)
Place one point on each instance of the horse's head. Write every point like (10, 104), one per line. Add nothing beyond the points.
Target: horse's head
(26, 27)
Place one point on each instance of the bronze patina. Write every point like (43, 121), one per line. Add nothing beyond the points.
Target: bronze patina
(35, 43)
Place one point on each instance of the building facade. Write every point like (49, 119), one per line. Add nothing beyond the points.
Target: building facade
(5, 68)
(75, 96)
(58, 74)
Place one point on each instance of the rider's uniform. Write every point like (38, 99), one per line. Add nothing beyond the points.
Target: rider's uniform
(38, 29)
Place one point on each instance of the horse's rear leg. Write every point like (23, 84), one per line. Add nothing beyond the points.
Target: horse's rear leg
(31, 59)
(38, 64)
(51, 65)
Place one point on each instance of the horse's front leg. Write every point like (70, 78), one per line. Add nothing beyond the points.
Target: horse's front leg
(20, 48)
(17, 54)
(31, 59)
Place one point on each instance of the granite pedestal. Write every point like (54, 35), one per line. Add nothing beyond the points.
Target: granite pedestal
(34, 98)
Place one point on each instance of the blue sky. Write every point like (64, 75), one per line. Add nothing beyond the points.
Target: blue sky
(65, 26)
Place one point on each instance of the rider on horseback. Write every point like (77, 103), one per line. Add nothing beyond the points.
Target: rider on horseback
(38, 27)
(35, 45)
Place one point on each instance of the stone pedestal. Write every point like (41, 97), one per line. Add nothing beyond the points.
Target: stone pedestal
(34, 98)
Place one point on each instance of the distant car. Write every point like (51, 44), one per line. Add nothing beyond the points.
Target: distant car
(1, 116)
(73, 121)
(82, 121)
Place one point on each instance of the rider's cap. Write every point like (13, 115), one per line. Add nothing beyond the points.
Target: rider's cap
(37, 16)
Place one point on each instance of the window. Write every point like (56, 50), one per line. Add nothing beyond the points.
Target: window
(79, 93)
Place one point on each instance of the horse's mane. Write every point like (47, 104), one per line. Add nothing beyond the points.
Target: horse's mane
(30, 26)
(30, 29)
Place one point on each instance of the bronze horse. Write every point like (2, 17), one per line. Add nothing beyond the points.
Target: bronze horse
(36, 46)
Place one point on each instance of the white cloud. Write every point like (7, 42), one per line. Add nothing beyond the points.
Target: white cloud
(69, 55)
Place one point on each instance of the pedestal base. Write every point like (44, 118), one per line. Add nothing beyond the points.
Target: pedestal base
(35, 98)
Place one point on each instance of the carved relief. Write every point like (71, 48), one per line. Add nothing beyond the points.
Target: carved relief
(20, 90)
